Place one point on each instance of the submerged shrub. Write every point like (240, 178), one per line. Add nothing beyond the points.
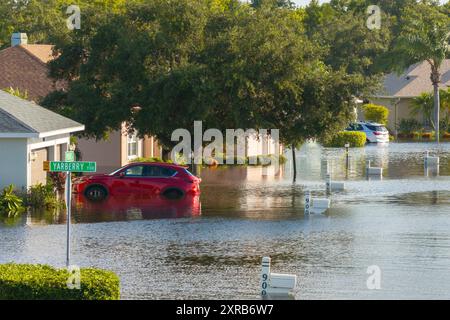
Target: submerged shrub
(43, 196)
(356, 139)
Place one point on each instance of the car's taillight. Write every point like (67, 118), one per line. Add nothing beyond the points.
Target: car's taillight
(377, 133)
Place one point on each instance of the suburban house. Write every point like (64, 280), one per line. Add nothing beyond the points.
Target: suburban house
(399, 90)
(30, 135)
(23, 66)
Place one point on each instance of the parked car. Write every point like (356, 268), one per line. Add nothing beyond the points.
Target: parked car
(140, 179)
(375, 132)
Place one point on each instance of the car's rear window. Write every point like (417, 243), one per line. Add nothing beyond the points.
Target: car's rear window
(376, 128)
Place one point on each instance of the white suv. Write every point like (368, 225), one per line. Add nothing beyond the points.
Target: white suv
(375, 132)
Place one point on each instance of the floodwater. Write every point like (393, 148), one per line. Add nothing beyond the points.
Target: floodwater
(211, 247)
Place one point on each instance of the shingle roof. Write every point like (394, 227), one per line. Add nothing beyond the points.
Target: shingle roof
(24, 67)
(23, 116)
(414, 81)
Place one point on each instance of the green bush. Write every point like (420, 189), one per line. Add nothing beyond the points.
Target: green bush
(152, 159)
(409, 126)
(10, 202)
(356, 139)
(43, 196)
(376, 113)
(40, 282)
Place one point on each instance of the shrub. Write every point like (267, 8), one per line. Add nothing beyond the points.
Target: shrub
(446, 135)
(152, 159)
(43, 196)
(10, 202)
(356, 139)
(376, 113)
(40, 282)
(408, 126)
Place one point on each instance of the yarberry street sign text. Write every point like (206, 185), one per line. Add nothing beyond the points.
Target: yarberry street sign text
(79, 166)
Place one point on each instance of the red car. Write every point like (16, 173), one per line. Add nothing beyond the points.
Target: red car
(141, 180)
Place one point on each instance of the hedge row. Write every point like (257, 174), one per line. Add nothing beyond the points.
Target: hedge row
(41, 282)
(356, 139)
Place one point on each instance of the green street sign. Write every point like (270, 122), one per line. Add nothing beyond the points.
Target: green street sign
(70, 156)
(79, 166)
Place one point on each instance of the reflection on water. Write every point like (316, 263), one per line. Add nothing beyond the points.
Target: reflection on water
(213, 249)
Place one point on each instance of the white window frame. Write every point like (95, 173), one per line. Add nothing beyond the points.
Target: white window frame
(132, 139)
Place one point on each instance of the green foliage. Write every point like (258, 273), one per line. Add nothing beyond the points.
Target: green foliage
(423, 36)
(40, 282)
(43, 196)
(354, 138)
(376, 113)
(10, 202)
(229, 65)
(16, 92)
(408, 126)
(423, 105)
(152, 159)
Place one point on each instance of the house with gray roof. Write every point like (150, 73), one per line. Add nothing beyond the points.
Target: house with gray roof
(399, 90)
(30, 135)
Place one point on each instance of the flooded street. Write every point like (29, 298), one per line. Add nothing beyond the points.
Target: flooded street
(211, 247)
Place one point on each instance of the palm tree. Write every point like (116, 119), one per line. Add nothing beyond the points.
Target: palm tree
(424, 36)
(424, 105)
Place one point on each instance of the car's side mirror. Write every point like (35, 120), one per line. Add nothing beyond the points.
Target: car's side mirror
(121, 175)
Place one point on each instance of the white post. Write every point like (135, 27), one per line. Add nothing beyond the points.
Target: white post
(265, 274)
(427, 154)
(307, 202)
(328, 183)
(368, 162)
(68, 209)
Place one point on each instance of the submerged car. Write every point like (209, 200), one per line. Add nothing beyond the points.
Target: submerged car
(375, 132)
(140, 179)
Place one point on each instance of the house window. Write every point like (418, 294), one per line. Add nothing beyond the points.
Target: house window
(132, 146)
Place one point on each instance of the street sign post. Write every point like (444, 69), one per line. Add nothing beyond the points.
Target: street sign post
(69, 166)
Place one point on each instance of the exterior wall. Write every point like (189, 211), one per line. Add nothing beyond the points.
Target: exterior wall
(13, 163)
(113, 153)
(38, 175)
(151, 147)
(107, 153)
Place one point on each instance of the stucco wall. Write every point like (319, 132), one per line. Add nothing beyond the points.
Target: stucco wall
(107, 153)
(403, 110)
(13, 163)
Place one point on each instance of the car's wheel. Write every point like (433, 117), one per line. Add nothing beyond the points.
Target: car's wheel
(173, 194)
(96, 193)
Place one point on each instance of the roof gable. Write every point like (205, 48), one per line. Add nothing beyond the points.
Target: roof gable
(23, 116)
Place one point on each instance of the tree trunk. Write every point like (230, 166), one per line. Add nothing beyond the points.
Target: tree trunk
(436, 111)
(294, 163)
(436, 79)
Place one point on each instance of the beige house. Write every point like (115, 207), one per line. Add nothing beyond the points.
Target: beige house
(118, 150)
(399, 91)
